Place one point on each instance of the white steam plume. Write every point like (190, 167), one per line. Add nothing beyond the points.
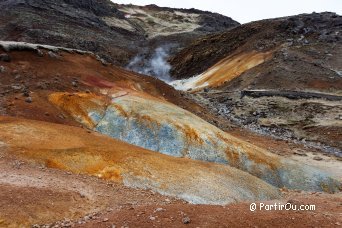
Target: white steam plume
(156, 66)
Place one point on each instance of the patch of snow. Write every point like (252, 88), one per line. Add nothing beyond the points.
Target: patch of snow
(195, 82)
(189, 83)
(14, 45)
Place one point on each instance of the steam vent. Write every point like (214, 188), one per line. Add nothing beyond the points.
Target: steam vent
(115, 115)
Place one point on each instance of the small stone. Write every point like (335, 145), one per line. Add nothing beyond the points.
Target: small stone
(5, 57)
(186, 220)
(16, 87)
(159, 209)
(40, 53)
(28, 99)
(74, 84)
(61, 116)
(52, 55)
(42, 85)
(152, 218)
(105, 220)
(299, 153)
(317, 158)
(26, 93)
(2, 69)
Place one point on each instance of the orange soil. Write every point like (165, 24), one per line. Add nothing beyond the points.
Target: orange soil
(231, 67)
(81, 151)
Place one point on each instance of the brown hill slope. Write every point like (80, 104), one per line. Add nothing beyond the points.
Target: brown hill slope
(303, 32)
(280, 77)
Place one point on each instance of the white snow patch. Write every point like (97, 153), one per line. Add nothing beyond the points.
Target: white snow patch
(189, 83)
(14, 45)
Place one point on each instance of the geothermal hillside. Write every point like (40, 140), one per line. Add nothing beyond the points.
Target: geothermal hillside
(126, 116)
(279, 77)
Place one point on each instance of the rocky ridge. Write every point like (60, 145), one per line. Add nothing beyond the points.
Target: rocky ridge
(115, 32)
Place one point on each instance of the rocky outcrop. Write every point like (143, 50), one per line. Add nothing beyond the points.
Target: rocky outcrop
(23, 46)
(157, 125)
(163, 21)
(296, 95)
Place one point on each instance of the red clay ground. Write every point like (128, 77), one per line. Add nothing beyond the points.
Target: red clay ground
(328, 214)
(38, 195)
(31, 194)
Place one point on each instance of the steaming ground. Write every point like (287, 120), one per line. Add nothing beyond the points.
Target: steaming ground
(156, 65)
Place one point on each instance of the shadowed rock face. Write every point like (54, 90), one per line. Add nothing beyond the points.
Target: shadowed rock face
(76, 150)
(154, 124)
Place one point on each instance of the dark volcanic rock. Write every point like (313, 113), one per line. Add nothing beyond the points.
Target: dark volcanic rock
(99, 26)
(306, 29)
(98, 7)
(5, 57)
